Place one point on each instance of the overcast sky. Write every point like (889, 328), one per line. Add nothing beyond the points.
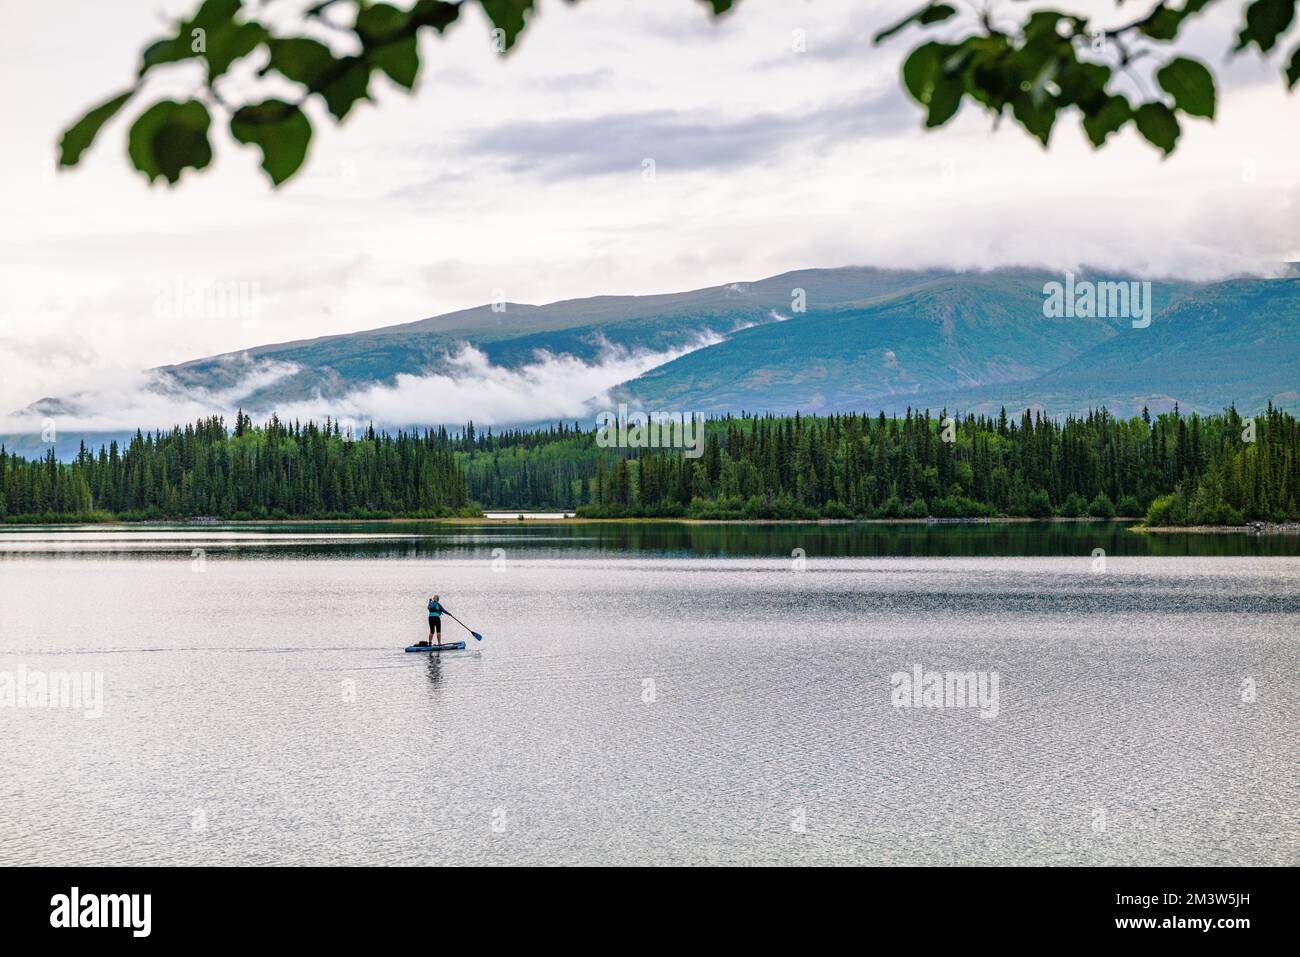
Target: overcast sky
(525, 175)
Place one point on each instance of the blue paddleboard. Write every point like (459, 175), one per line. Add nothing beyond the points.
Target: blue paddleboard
(449, 646)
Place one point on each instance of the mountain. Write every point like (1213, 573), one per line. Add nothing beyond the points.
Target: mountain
(980, 341)
(943, 335)
(1232, 342)
(511, 337)
(813, 340)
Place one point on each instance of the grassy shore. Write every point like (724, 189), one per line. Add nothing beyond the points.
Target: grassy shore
(1134, 522)
(1252, 528)
(559, 519)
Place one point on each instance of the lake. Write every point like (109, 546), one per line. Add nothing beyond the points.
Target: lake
(657, 693)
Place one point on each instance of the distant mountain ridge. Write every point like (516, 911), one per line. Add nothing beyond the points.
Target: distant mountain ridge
(820, 340)
(939, 338)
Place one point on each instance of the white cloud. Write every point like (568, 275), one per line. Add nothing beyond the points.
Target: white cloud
(550, 388)
(119, 400)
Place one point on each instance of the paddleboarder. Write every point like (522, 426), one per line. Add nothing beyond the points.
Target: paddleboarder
(436, 611)
(435, 619)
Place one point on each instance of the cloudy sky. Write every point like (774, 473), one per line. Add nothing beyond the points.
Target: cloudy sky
(523, 176)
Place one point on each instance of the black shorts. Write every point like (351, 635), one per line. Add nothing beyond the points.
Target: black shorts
(435, 624)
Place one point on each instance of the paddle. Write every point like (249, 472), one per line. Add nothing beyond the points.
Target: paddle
(477, 636)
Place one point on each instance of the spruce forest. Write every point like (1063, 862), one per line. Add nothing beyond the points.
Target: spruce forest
(1172, 469)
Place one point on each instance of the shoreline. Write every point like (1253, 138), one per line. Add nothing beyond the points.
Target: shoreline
(1251, 528)
(1254, 528)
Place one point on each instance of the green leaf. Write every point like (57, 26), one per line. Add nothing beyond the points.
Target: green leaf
(1035, 114)
(1044, 26)
(720, 7)
(434, 13)
(508, 16)
(212, 34)
(945, 98)
(1158, 124)
(400, 60)
(1162, 24)
(921, 69)
(163, 51)
(930, 13)
(215, 12)
(1190, 84)
(389, 41)
(994, 79)
(1082, 82)
(935, 13)
(343, 85)
(1266, 20)
(302, 60)
(340, 82)
(1038, 59)
(1293, 69)
(380, 23)
(168, 137)
(229, 43)
(933, 75)
(1107, 118)
(281, 130)
(78, 137)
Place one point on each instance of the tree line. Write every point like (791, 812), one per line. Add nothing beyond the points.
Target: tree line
(1174, 469)
(274, 471)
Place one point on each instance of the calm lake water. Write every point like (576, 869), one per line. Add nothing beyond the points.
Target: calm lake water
(660, 693)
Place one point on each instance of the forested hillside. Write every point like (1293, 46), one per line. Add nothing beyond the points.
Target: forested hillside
(275, 471)
(1196, 469)
(1173, 468)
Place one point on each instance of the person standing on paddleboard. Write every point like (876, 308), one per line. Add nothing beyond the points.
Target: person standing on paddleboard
(435, 619)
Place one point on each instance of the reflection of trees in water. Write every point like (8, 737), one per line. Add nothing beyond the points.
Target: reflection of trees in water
(854, 540)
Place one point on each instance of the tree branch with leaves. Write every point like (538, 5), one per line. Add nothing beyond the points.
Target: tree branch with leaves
(1050, 62)
(169, 136)
(1055, 61)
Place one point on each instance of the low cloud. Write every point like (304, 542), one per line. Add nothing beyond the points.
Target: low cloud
(468, 387)
(124, 401)
(550, 388)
